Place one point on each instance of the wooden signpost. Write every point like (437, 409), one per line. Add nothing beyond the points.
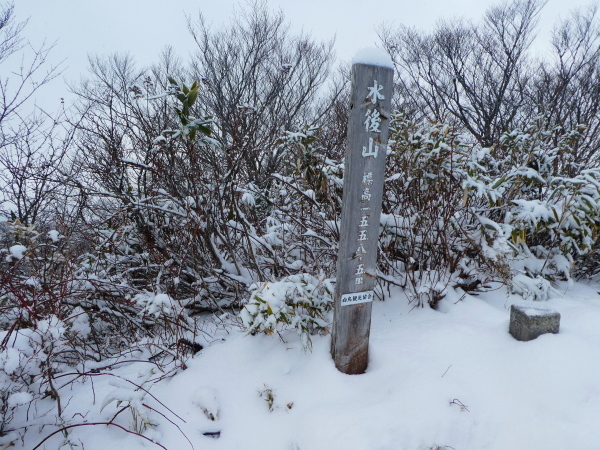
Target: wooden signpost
(361, 209)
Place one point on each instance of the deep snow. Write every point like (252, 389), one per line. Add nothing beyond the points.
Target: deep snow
(452, 378)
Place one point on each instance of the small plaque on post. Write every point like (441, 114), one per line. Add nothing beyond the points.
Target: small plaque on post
(357, 297)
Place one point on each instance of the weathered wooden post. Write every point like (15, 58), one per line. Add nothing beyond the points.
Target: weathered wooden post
(372, 78)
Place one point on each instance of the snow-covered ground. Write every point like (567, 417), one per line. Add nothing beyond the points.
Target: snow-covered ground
(448, 379)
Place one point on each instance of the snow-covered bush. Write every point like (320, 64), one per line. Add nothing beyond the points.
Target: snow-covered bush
(551, 203)
(432, 237)
(299, 302)
(20, 368)
(456, 214)
(304, 209)
(61, 310)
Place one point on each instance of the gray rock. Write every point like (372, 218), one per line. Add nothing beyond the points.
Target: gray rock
(528, 322)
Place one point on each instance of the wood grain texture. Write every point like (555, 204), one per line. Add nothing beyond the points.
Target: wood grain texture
(361, 211)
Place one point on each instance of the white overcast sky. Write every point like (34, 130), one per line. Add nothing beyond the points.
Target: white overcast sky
(144, 27)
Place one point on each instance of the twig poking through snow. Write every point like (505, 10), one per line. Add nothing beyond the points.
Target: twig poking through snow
(447, 370)
(462, 406)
